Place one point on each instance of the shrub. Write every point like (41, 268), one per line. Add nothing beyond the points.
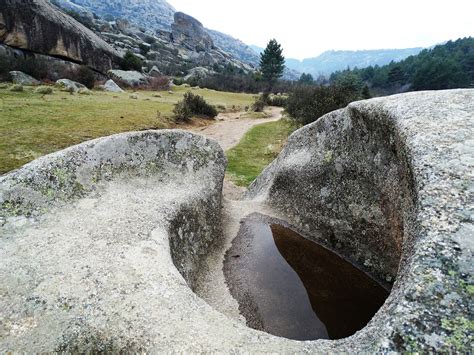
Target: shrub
(193, 105)
(131, 62)
(277, 100)
(260, 103)
(44, 90)
(17, 88)
(307, 103)
(85, 76)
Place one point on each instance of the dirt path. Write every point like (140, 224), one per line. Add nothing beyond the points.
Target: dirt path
(230, 127)
(228, 131)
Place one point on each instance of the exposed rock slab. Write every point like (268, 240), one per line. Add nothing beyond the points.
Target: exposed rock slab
(38, 26)
(390, 181)
(70, 85)
(21, 78)
(129, 78)
(189, 32)
(111, 86)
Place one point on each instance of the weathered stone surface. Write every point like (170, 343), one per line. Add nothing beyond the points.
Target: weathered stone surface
(129, 78)
(21, 78)
(111, 86)
(103, 243)
(38, 26)
(70, 85)
(390, 180)
(197, 73)
(190, 33)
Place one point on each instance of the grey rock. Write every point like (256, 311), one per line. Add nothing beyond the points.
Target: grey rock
(386, 180)
(21, 78)
(70, 85)
(198, 73)
(38, 26)
(155, 72)
(190, 33)
(111, 86)
(129, 78)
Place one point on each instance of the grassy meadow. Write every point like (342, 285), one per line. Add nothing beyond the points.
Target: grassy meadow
(32, 125)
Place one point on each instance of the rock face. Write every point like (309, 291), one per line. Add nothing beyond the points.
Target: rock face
(129, 78)
(390, 181)
(70, 85)
(21, 78)
(103, 243)
(38, 26)
(155, 14)
(189, 32)
(111, 86)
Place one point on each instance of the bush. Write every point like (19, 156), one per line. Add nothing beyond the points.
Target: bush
(260, 103)
(277, 100)
(44, 90)
(307, 103)
(85, 76)
(193, 105)
(131, 62)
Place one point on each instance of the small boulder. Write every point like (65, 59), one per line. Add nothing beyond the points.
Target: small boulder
(156, 95)
(17, 88)
(21, 78)
(84, 91)
(44, 90)
(170, 92)
(155, 72)
(134, 96)
(111, 86)
(129, 78)
(69, 85)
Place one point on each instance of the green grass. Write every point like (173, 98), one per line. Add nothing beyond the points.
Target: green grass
(258, 148)
(32, 125)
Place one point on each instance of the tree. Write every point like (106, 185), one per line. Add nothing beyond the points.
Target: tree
(272, 63)
(306, 79)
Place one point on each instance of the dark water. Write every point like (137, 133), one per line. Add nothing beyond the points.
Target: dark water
(289, 286)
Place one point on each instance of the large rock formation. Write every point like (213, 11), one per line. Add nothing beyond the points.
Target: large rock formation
(389, 183)
(190, 33)
(103, 243)
(38, 26)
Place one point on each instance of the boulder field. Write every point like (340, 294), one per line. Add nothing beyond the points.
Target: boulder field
(102, 244)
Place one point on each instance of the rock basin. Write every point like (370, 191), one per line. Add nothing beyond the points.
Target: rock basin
(106, 246)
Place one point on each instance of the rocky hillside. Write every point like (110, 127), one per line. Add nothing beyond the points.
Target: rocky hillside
(83, 37)
(150, 14)
(39, 27)
(331, 61)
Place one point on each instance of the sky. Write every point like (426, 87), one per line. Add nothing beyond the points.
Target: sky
(306, 28)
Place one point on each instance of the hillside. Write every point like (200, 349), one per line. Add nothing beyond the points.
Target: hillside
(155, 15)
(446, 66)
(331, 61)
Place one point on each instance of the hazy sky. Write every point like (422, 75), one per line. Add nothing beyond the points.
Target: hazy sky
(308, 27)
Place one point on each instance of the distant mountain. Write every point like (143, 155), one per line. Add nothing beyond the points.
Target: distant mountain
(331, 61)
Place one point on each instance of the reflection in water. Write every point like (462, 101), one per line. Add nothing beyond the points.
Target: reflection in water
(289, 286)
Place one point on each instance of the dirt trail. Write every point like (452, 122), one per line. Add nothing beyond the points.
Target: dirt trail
(228, 131)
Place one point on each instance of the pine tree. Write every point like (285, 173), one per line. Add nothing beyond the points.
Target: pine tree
(272, 63)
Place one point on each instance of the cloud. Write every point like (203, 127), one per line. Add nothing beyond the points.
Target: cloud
(308, 27)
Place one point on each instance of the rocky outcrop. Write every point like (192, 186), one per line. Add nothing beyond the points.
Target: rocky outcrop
(190, 33)
(111, 86)
(388, 182)
(70, 85)
(38, 26)
(103, 243)
(19, 77)
(128, 78)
